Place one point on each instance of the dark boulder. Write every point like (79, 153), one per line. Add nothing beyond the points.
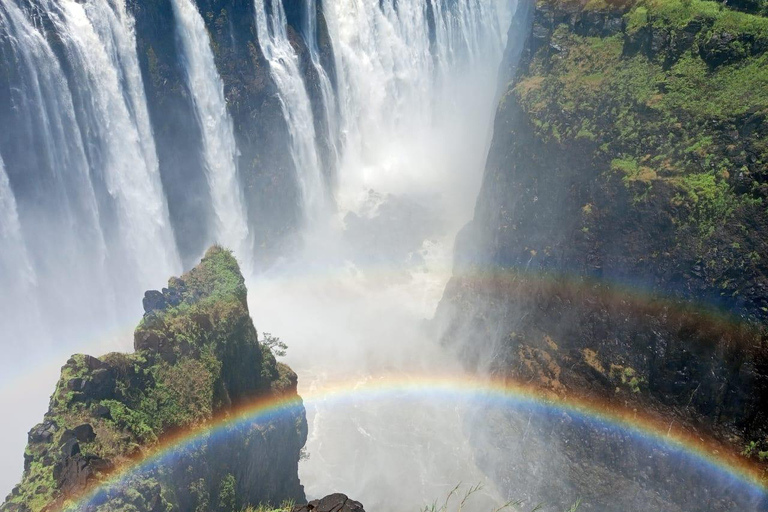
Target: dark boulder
(101, 385)
(148, 340)
(72, 474)
(101, 411)
(70, 447)
(331, 503)
(43, 433)
(84, 433)
(153, 301)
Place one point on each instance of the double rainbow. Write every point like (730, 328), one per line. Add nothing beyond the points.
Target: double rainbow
(464, 389)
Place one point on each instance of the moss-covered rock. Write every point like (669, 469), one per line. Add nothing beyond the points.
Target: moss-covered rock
(197, 357)
(617, 249)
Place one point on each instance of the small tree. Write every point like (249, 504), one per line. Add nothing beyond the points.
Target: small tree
(274, 344)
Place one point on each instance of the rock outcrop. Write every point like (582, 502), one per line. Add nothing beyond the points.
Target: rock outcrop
(197, 357)
(331, 503)
(617, 246)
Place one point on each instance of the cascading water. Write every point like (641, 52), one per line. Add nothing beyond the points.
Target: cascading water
(58, 211)
(330, 109)
(272, 30)
(80, 160)
(99, 41)
(407, 107)
(219, 146)
(83, 164)
(413, 125)
(16, 272)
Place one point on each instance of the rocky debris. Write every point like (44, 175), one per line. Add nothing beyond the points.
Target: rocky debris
(331, 503)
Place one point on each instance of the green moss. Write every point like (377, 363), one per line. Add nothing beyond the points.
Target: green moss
(709, 199)
(182, 396)
(204, 356)
(136, 422)
(217, 274)
(722, 93)
(656, 120)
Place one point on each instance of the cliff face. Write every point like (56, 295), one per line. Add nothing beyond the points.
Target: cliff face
(197, 355)
(619, 240)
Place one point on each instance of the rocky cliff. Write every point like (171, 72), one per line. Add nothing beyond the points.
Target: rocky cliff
(197, 357)
(619, 240)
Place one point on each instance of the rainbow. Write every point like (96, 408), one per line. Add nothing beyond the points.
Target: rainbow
(712, 455)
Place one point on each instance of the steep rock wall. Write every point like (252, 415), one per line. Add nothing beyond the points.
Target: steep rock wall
(617, 249)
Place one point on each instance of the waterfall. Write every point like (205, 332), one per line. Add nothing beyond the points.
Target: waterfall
(415, 95)
(82, 164)
(272, 30)
(16, 272)
(101, 47)
(63, 194)
(331, 122)
(219, 147)
(399, 85)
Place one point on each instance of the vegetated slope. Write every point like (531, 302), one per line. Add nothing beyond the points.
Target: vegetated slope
(197, 356)
(619, 244)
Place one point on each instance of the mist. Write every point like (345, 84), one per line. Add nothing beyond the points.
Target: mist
(339, 149)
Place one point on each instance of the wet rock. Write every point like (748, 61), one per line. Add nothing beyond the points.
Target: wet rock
(331, 503)
(72, 474)
(75, 384)
(101, 385)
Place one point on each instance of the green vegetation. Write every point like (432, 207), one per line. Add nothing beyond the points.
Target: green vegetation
(627, 377)
(197, 353)
(661, 105)
(286, 506)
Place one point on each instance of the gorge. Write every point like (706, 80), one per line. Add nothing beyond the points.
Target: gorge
(515, 244)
